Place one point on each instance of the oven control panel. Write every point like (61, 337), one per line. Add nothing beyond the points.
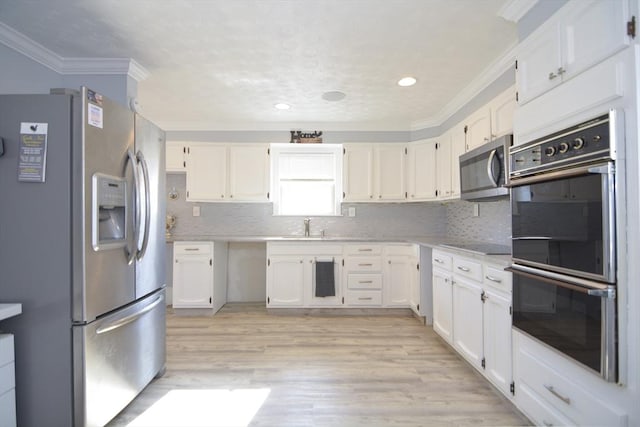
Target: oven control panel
(582, 143)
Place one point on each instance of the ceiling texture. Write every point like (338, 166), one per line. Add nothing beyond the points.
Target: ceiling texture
(224, 64)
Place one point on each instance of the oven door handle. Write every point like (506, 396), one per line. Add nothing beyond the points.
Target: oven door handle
(585, 287)
(532, 238)
(603, 169)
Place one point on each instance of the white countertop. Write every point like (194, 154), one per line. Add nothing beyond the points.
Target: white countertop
(9, 310)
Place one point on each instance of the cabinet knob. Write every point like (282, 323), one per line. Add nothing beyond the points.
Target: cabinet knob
(301, 261)
(561, 71)
(552, 75)
(231, 196)
(371, 196)
(379, 196)
(222, 196)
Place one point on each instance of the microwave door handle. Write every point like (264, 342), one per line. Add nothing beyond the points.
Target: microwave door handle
(492, 178)
(147, 204)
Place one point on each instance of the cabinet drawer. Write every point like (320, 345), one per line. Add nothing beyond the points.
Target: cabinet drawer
(363, 250)
(363, 298)
(559, 392)
(441, 260)
(467, 268)
(6, 349)
(364, 281)
(192, 248)
(7, 377)
(538, 410)
(496, 277)
(363, 264)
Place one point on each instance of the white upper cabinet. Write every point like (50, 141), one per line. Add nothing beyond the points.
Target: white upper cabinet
(444, 167)
(580, 35)
(206, 172)
(374, 172)
(421, 170)
(502, 108)
(249, 172)
(390, 171)
(478, 128)
(457, 149)
(176, 152)
(227, 172)
(357, 178)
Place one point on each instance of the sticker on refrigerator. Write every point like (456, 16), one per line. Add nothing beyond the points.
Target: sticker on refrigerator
(95, 115)
(32, 158)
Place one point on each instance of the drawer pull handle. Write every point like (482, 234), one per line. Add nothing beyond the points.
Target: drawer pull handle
(365, 250)
(365, 265)
(192, 249)
(438, 260)
(558, 395)
(493, 279)
(365, 281)
(465, 269)
(365, 298)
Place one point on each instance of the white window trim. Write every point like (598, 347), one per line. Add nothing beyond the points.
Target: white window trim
(278, 149)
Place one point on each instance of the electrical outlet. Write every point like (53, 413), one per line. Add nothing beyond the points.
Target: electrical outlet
(196, 211)
(476, 209)
(352, 212)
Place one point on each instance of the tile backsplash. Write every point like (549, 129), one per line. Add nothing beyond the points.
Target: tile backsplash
(452, 219)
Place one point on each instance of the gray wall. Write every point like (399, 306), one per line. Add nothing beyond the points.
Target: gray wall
(20, 74)
(537, 15)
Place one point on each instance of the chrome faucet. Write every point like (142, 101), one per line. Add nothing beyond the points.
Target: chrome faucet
(307, 224)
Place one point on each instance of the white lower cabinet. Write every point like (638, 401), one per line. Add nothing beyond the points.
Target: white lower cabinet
(472, 312)
(194, 284)
(365, 275)
(292, 275)
(550, 389)
(7, 382)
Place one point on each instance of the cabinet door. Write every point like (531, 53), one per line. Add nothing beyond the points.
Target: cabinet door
(192, 281)
(286, 279)
(358, 173)
(467, 320)
(442, 304)
(502, 109)
(457, 149)
(421, 174)
(206, 172)
(389, 171)
(443, 166)
(497, 340)
(396, 281)
(176, 153)
(592, 32)
(478, 128)
(538, 62)
(248, 172)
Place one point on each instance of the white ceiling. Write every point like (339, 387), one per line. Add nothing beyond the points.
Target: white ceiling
(223, 64)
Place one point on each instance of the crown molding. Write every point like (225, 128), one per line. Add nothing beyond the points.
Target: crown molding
(67, 66)
(514, 10)
(488, 76)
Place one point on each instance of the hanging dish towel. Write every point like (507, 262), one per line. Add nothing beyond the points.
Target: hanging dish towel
(325, 281)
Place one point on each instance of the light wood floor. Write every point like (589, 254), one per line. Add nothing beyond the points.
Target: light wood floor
(315, 370)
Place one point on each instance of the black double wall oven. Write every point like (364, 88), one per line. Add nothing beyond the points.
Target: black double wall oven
(564, 242)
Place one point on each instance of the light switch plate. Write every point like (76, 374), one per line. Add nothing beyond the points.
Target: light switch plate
(352, 212)
(476, 209)
(196, 211)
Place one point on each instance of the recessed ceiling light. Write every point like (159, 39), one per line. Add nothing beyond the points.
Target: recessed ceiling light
(282, 106)
(334, 95)
(407, 81)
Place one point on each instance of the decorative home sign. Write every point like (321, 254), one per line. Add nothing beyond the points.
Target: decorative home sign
(32, 159)
(299, 137)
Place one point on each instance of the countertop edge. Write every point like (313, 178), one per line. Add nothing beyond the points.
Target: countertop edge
(10, 310)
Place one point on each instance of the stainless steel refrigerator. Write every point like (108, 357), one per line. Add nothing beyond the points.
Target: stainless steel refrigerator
(82, 248)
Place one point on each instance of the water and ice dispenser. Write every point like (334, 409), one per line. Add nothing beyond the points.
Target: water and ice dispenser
(109, 212)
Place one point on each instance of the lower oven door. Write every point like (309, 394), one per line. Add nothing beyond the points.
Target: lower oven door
(574, 316)
(564, 221)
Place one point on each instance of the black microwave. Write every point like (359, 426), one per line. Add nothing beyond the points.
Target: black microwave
(484, 172)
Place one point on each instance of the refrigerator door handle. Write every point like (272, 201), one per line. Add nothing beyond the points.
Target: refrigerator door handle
(118, 323)
(131, 255)
(147, 205)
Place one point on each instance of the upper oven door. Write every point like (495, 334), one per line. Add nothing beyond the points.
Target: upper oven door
(483, 170)
(564, 221)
